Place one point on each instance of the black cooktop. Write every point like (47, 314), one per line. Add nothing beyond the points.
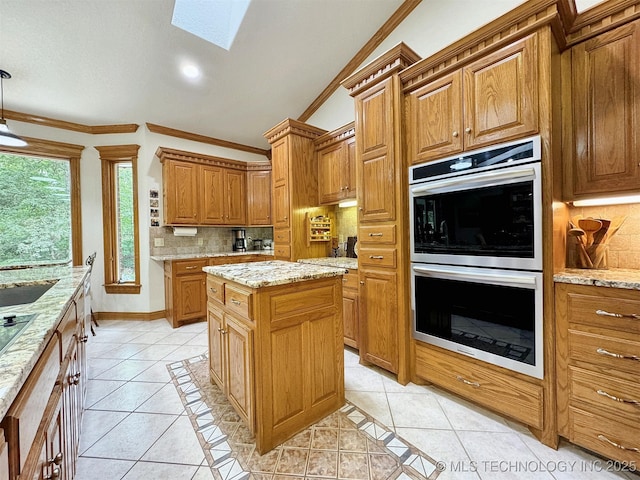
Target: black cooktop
(10, 327)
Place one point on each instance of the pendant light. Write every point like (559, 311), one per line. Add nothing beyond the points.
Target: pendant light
(6, 137)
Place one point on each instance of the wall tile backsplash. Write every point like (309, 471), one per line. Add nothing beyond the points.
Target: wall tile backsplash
(624, 246)
(213, 239)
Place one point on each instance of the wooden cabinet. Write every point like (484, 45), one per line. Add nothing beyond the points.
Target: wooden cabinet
(185, 293)
(295, 188)
(259, 197)
(336, 165)
(257, 334)
(488, 101)
(350, 308)
(4, 457)
(206, 190)
(605, 101)
(598, 348)
(381, 171)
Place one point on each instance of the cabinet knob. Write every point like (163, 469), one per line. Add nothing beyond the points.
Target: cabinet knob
(84, 338)
(57, 460)
(54, 474)
(467, 130)
(361, 282)
(213, 290)
(235, 302)
(455, 134)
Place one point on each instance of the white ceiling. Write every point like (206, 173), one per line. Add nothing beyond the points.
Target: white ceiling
(99, 62)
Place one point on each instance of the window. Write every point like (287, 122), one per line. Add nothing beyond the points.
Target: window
(120, 218)
(40, 222)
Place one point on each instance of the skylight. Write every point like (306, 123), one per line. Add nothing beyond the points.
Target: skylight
(216, 21)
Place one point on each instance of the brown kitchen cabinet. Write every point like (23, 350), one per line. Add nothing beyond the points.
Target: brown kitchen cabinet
(383, 302)
(4, 457)
(185, 293)
(295, 189)
(487, 101)
(350, 308)
(206, 190)
(598, 347)
(605, 115)
(297, 329)
(259, 197)
(336, 165)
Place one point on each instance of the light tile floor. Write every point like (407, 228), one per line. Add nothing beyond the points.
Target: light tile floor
(135, 426)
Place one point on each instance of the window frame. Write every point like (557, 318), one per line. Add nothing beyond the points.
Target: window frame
(37, 147)
(109, 156)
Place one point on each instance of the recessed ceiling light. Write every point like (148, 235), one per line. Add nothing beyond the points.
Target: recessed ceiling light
(190, 71)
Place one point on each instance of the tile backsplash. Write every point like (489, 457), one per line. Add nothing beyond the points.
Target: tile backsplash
(213, 239)
(624, 246)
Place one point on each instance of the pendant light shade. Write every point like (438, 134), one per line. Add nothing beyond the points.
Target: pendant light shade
(6, 137)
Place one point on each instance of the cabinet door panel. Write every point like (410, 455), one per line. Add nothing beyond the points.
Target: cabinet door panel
(351, 168)
(605, 109)
(379, 309)
(280, 161)
(324, 380)
(239, 341)
(501, 94)
(191, 299)
(377, 190)
(350, 316)
(435, 119)
(259, 198)
(281, 205)
(235, 191)
(375, 121)
(216, 347)
(213, 198)
(331, 173)
(181, 193)
(287, 355)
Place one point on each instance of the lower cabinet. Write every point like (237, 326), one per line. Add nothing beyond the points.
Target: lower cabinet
(4, 457)
(598, 347)
(350, 310)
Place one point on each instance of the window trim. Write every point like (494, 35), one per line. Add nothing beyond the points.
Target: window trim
(37, 147)
(110, 155)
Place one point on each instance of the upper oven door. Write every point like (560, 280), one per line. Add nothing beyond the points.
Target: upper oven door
(492, 218)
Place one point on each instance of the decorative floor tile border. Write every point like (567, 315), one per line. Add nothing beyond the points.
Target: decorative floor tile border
(363, 448)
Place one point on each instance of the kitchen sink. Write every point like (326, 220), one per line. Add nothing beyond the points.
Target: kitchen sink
(11, 326)
(22, 294)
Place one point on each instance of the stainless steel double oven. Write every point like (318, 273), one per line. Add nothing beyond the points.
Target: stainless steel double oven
(476, 254)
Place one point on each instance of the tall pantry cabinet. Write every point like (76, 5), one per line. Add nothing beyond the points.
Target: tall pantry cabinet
(383, 231)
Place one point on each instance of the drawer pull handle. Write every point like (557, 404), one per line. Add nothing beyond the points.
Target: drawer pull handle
(376, 257)
(213, 290)
(191, 267)
(57, 460)
(84, 338)
(54, 474)
(621, 447)
(379, 234)
(235, 302)
(616, 399)
(602, 351)
(467, 382)
(618, 315)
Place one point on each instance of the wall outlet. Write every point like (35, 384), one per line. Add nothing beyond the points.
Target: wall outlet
(200, 242)
(158, 242)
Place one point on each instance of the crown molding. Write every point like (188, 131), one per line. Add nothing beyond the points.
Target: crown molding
(49, 148)
(118, 152)
(164, 153)
(291, 126)
(601, 18)
(335, 136)
(75, 127)
(172, 132)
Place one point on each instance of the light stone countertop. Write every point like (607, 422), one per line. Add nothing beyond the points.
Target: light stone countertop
(17, 361)
(187, 256)
(273, 272)
(338, 262)
(613, 278)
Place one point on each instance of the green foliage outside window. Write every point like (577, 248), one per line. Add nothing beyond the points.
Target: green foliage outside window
(125, 227)
(35, 210)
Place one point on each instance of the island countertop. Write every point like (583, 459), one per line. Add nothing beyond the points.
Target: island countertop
(17, 361)
(274, 272)
(612, 278)
(188, 256)
(337, 262)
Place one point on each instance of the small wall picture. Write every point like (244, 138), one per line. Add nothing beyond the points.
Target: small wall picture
(154, 203)
(155, 213)
(153, 193)
(155, 222)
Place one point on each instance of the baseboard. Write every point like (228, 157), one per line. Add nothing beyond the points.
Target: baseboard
(129, 315)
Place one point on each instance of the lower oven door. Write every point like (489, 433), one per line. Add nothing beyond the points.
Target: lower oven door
(489, 314)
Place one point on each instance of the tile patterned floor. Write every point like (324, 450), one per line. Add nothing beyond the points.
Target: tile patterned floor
(136, 427)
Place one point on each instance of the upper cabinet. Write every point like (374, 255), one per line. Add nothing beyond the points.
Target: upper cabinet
(605, 101)
(490, 100)
(205, 190)
(336, 165)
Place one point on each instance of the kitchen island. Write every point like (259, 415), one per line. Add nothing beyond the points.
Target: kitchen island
(275, 344)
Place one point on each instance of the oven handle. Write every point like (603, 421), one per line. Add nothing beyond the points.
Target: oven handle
(477, 180)
(512, 279)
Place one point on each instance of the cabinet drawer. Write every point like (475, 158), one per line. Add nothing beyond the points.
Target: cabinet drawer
(189, 266)
(502, 392)
(282, 235)
(607, 437)
(378, 257)
(282, 251)
(350, 280)
(379, 234)
(606, 393)
(238, 301)
(615, 354)
(605, 312)
(215, 290)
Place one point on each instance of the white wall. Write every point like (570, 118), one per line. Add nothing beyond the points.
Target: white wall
(151, 297)
(432, 26)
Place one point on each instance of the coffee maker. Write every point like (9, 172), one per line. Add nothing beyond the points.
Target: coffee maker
(239, 240)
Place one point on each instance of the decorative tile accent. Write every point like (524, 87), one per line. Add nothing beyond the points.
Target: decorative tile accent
(346, 445)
